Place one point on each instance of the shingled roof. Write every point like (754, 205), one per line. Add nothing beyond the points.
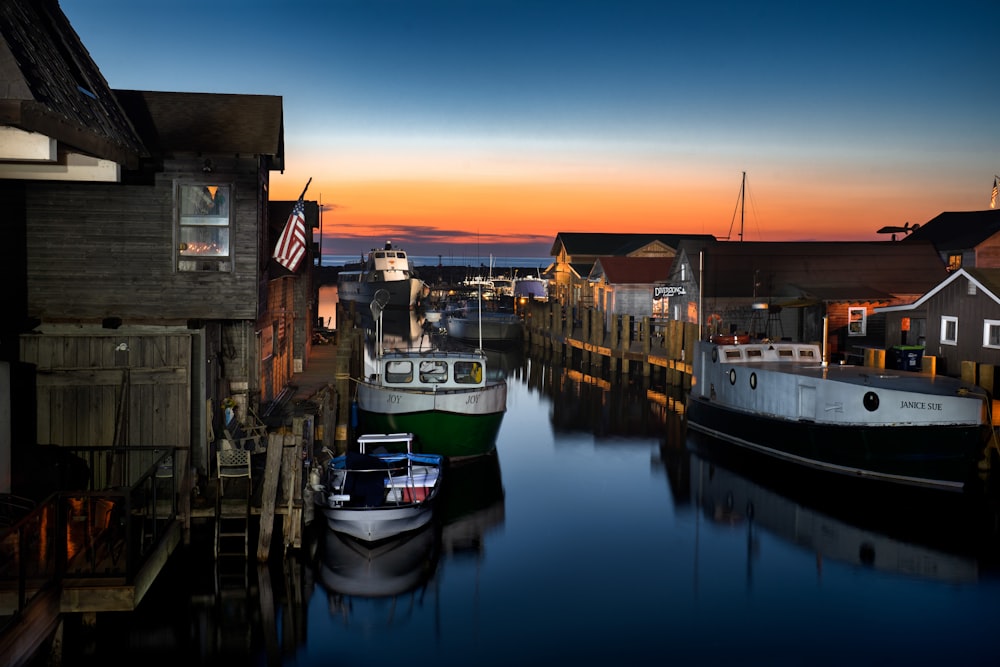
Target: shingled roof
(830, 271)
(49, 85)
(604, 245)
(208, 123)
(958, 230)
(632, 270)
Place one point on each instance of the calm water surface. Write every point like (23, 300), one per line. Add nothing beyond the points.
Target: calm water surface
(600, 534)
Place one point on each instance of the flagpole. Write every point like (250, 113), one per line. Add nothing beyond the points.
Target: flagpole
(306, 188)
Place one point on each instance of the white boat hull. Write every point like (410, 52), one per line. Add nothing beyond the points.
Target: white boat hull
(781, 400)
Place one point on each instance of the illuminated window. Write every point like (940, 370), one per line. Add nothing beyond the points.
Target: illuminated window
(954, 262)
(856, 321)
(203, 227)
(949, 330)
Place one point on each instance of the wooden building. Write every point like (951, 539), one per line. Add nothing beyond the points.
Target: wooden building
(783, 290)
(627, 285)
(139, 294)
(963, 239)
(962, 315)
(574, 254)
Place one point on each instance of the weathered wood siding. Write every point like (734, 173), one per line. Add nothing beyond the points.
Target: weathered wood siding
(971, 310)
(276, 370)
(109, 250)
(91, 387)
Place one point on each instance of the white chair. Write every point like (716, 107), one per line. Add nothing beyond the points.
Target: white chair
(232, 463)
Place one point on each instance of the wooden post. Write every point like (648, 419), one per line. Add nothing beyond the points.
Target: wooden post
(647, 335)
(614, 343)
(272, 473)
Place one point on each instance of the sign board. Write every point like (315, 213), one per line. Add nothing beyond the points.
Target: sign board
(667, 291)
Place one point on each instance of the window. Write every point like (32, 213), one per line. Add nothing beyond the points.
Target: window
(991, 333)
(949, 330)
(954, 262)
(433, 371)
(856, 321)
(468, 372)
(203, 227)
(399, 371)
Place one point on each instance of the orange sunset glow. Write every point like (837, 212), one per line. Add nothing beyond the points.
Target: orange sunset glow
(467, 125)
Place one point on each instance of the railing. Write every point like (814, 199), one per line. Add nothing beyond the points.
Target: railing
(91, 534)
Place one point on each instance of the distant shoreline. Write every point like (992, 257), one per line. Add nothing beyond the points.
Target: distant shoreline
(421, 261)
(434, 275)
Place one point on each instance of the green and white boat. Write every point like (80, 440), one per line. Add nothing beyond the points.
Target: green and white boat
(448, 399)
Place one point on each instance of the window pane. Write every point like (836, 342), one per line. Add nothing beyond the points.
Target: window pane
(204, 241)
(994, 334)
(205, 202)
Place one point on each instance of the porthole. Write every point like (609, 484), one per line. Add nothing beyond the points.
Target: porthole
(753, 380)
(871, 401)
(732, 376)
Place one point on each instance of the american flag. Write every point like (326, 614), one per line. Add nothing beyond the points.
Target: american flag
(291, 246)
(993, 199)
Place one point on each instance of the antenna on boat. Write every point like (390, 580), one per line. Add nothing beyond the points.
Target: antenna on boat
(480, 316)
(379, 301)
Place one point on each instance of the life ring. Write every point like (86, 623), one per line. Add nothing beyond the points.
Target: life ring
(730, 339)
(714, 321)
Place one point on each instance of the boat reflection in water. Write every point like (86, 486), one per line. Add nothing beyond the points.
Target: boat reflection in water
(382, 581)
(918, 533)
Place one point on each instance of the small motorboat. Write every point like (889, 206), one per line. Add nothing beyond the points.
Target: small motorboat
(382, 490)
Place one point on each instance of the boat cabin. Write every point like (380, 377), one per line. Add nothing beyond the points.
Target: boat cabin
(387, 264)
(432, 371)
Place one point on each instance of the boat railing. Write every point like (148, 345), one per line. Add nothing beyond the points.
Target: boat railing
(406, 478)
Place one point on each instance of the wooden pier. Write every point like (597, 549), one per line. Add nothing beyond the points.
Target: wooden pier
(623, 343)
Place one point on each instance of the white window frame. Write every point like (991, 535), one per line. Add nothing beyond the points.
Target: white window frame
(987, 325)
(857, 327)
(204, 228)
(945, 321)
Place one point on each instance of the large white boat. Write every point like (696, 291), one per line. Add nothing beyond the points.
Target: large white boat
(447, 398)
(387, 269)
(481, 324)
(782, 399)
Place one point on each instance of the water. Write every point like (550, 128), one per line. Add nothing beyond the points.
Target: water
(598, 535)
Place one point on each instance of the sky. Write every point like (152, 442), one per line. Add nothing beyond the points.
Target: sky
(468, 128)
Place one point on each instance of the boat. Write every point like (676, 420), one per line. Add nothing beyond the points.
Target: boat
(784, 400)
(382, 490)
(386, 269)
(530, 288)
(448, 398)
(488, 325)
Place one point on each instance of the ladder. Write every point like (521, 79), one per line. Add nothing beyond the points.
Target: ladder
(232, 518)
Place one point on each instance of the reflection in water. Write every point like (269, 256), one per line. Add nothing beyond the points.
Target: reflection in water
(554, 573)
(920, 533)
(386, 581)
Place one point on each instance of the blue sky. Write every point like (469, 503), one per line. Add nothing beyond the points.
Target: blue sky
(501, 123)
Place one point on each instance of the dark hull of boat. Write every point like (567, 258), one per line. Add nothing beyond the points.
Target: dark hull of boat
(932, 456)
(401, 292)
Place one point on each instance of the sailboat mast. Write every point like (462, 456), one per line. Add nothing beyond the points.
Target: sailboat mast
(743, 202)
